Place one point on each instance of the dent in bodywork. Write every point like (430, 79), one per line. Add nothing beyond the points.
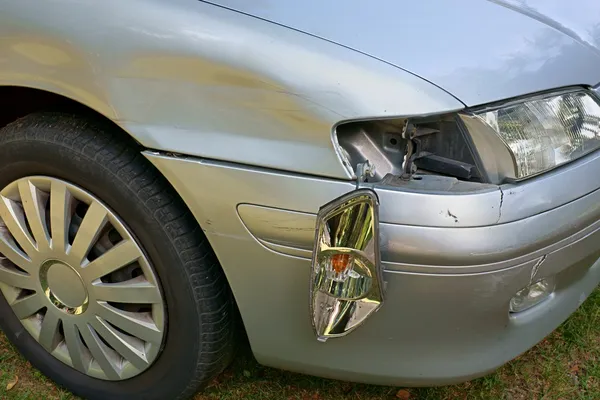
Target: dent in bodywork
(33, 61)
(552, 189)
(193, 78)
(480, 268)
(283, 231)
(472, 203)
(475, 242)
(291, 233)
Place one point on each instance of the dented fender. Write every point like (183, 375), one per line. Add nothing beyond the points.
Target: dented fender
(193, 78)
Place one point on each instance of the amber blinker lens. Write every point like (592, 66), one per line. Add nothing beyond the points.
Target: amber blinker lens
(340, 262)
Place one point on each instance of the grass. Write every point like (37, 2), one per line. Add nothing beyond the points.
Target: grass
(566, 365)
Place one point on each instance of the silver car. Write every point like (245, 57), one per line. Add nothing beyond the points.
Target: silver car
(389, 192)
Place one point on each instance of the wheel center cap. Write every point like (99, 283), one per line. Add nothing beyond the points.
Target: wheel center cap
(64, 287)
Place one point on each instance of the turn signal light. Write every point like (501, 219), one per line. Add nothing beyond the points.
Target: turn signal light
(346, 281)
(340, 262)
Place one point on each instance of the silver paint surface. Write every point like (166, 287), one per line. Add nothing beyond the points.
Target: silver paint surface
(479, 51)
(252, 98)
(460, 309)
(443, 250)
(189, 77)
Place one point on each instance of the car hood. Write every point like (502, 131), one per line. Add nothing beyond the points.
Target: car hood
(479, 51)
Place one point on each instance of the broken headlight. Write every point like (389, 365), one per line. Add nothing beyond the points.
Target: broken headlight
(496, 144)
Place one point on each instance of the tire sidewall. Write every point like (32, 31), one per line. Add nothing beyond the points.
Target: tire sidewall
(176, 364)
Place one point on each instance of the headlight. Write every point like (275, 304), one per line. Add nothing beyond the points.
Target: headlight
(539, 134)
(490, 144)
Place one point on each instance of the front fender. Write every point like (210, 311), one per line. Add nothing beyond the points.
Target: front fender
(193, 78)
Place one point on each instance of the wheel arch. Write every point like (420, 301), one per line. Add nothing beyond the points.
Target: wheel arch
(73, 148)
(18, 101)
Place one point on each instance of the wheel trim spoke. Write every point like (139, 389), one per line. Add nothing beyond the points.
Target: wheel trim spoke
(104, 356)
(93, 222)
(135, 290)
(35, 211)
(117, 257)
(130, 348)
(14, 219)
(60, 214)
(27, 306)
(78, 353)
(12, 253)
(132, 323)
(17, 279)
(49, 334)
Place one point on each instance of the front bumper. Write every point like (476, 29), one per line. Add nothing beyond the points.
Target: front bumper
(444, 328)
(449, 275)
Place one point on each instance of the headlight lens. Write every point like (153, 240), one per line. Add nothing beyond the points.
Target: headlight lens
(546, 131)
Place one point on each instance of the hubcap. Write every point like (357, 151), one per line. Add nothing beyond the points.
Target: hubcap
(64, 287)
(77, 279)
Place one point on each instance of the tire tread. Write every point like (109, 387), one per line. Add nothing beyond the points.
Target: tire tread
(116, 152)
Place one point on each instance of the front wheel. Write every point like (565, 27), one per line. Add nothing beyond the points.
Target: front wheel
(107, 283)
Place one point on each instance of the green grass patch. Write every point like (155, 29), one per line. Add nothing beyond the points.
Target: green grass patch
(566, 365)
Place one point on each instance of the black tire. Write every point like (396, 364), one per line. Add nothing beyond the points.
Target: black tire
(94, 155)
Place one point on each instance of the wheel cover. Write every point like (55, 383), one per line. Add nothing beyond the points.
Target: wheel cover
(77, 279)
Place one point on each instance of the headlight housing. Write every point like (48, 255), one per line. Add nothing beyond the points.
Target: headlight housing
(495, 144)
(539, 133)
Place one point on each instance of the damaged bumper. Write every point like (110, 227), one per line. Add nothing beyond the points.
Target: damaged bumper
(455, 327)
(449, 292)
(452, 259)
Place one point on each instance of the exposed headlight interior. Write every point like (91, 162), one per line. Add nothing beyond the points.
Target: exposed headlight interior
(509, 142)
